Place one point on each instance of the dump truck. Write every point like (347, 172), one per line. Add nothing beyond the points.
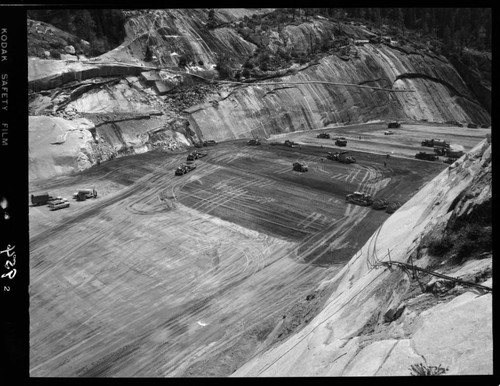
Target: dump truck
(59, 203)
(254, 142)
(83, 194)
(40, 199)
(323, 135)
(426, 156)
(393, 125)
(434, 142)
(300, 166)
(341, 142)
(359, 198)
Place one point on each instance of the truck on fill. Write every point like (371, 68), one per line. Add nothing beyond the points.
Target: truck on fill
(40, 199)
(341, 141)
(83, 194)
(426, 156)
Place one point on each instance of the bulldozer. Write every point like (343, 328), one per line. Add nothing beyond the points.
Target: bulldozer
(359, 198)
(300, 166)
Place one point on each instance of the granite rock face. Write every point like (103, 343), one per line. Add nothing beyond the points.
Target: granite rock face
(178, 82)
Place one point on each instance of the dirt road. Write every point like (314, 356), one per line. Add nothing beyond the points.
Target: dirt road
(166, 275)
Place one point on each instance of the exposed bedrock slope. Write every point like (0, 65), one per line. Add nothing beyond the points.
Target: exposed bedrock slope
(439, 95)
(120, 81)
(379, 321)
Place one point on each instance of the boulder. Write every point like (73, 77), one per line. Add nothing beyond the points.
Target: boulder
(70, 50)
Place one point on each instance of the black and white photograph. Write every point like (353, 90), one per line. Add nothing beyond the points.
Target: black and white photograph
(257, 192)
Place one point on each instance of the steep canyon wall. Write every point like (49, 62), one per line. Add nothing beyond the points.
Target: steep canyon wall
(435, 90)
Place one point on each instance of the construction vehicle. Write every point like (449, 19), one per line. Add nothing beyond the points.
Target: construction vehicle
(426, 156)
(450, 160)
(59, 203)
(332, 156)
(199, 154)
(209, 142)
(472, 126)
(394, 125)
(359, 198)
(184, 168)
(300, 166)
(341, 141)
(83, 194)
(435, 142)
(341, 157)
(346, 159)
(40, 199)
(254, 142)
(323, 135)
(291, 143)
(380, 203)
(441, 150)
(392, 207)
(485, 126)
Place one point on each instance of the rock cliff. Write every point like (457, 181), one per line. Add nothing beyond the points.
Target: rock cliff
(175, 87)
